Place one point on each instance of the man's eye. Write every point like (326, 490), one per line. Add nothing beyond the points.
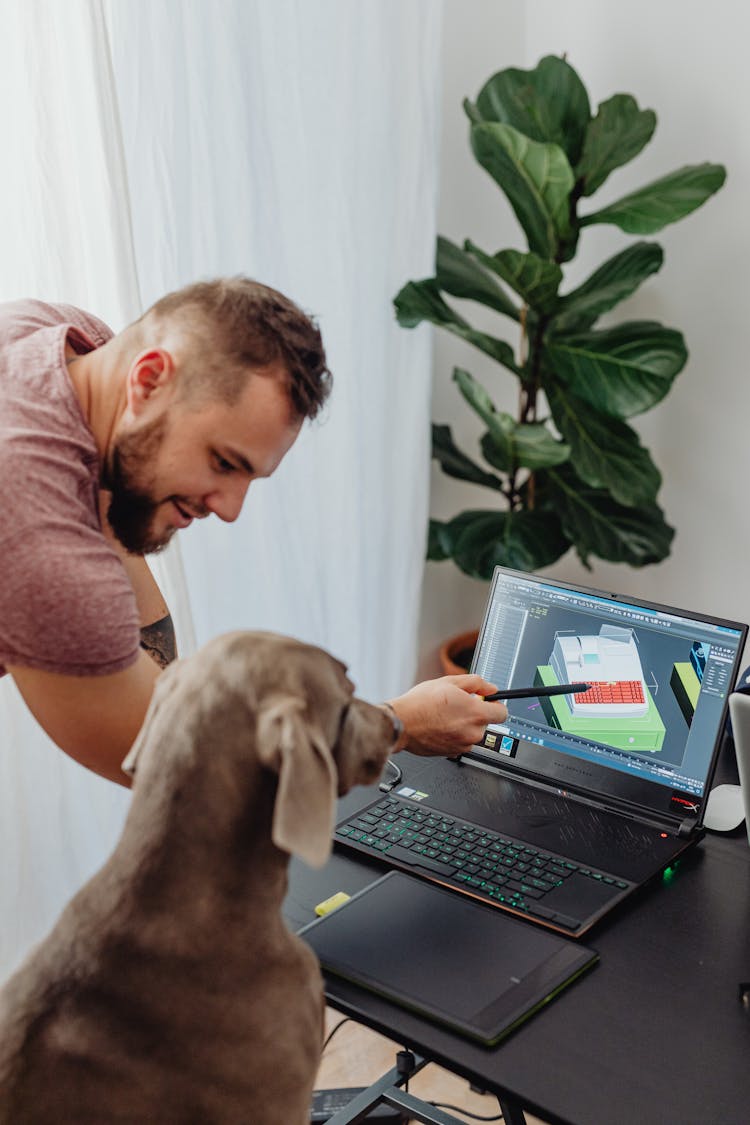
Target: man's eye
(223, 465)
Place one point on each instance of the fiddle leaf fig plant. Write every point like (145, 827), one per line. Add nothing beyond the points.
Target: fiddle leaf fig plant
(568, 470)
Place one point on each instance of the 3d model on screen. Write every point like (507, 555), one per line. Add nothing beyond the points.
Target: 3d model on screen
(687, 677)
(619, 710)
(609, 662)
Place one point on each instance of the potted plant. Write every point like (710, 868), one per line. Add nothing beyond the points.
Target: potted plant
(568, 470)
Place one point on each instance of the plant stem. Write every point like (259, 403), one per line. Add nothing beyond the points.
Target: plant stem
(531, 384)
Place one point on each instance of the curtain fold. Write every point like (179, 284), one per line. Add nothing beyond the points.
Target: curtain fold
(68, 239)
(155, 143)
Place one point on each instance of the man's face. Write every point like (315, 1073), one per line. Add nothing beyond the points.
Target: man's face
(185, 459)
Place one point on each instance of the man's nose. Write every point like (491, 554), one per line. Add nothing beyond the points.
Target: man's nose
(226, 503)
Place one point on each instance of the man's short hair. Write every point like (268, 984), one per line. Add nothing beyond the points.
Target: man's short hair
(236, 324)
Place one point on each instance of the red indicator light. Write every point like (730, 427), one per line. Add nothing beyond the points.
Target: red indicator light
(663, 835)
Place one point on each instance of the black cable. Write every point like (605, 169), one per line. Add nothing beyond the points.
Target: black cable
(329, 1037)
(466, 1112)
(386, 786)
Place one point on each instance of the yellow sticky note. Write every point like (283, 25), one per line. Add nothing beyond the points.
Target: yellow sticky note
(329, 904)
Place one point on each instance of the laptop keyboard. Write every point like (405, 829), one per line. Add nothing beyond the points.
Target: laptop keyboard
(475, 860)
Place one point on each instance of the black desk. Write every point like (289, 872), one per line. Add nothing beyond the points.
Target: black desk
(653, 1035)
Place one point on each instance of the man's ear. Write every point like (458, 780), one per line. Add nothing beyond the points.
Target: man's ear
(150, 373)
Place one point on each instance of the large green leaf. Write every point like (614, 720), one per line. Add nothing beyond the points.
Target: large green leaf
(534, 279)
(622, 370)
(499, 424)
(536, 178)
(606, 452)
(663, 201)
(598, 525)
(532, 447)
(548, 103)
(615, 280)
(472, 112)
(459, 274)
(479, 541)
(510, 445)
(455, 463)
(618, 133)
(420, 301)
(439, 542)
(498, 450)
(537, 448)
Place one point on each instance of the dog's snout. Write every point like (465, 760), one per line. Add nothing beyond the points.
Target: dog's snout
(367, 735)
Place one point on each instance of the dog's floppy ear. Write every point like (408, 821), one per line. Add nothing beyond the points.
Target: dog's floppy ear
(164, 686)
(289, 744)
(130, 760)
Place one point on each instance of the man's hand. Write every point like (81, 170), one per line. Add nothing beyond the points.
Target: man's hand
(448, 715)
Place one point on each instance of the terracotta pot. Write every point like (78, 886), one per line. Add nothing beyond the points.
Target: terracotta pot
(456, 653)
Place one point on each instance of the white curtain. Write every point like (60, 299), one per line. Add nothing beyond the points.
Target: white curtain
(66, 237)
(298, 142)
(293, 141)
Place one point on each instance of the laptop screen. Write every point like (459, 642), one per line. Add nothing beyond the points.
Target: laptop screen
(648, 728)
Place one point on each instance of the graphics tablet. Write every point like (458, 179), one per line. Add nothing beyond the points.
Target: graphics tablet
(446, 957)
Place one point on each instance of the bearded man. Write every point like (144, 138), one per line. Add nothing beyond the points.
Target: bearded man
(111, 443)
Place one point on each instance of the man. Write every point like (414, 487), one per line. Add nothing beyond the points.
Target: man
(108, 445)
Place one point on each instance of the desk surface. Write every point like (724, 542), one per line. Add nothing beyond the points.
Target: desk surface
(654, 1034)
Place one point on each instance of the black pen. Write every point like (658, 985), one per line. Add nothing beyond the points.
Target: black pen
(530, 692)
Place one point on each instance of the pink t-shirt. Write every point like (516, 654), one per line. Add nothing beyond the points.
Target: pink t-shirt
(66, 604)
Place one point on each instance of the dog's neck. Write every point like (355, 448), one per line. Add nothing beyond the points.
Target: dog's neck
(210, 862)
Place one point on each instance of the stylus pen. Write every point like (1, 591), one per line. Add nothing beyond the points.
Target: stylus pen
(530, 692)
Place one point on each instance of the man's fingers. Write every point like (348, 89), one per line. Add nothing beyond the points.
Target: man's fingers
(495, 712)
(473, 683)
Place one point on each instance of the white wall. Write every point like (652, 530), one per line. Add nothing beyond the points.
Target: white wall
(687, 61)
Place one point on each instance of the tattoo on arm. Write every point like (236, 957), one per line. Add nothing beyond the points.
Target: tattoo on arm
(159, 641)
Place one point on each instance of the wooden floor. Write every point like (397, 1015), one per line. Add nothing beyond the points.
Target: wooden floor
(357, 1056)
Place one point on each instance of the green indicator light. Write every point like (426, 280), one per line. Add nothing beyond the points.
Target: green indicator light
(670, 872)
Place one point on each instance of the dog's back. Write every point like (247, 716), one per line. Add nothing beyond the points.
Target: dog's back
(123, 1017)
(170, 989)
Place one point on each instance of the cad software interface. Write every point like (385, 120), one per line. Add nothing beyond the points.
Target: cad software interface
(658, 680)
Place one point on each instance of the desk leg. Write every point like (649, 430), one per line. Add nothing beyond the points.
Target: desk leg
(387, 1089)
(511, 1111)
(417, 1110)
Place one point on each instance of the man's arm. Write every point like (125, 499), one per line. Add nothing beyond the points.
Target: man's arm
(446, 715)
(157, 629)
(94, 719)
(158, 640)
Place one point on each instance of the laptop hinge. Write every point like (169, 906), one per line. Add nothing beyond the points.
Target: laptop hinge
(680, 828)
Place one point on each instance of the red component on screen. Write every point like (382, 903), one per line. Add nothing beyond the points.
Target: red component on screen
(612, 691)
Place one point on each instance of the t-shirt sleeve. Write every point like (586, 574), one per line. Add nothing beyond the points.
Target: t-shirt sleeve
(66, 604)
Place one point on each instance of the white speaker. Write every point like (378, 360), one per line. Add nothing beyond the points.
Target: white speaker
(739, 713)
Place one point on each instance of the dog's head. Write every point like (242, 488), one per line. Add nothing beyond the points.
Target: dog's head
(287, 706)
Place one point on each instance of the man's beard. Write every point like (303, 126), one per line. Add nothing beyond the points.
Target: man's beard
(132, 508)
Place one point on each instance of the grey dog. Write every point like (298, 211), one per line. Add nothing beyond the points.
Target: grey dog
(170, 989)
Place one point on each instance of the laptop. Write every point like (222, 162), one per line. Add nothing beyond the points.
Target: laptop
(579, 798)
